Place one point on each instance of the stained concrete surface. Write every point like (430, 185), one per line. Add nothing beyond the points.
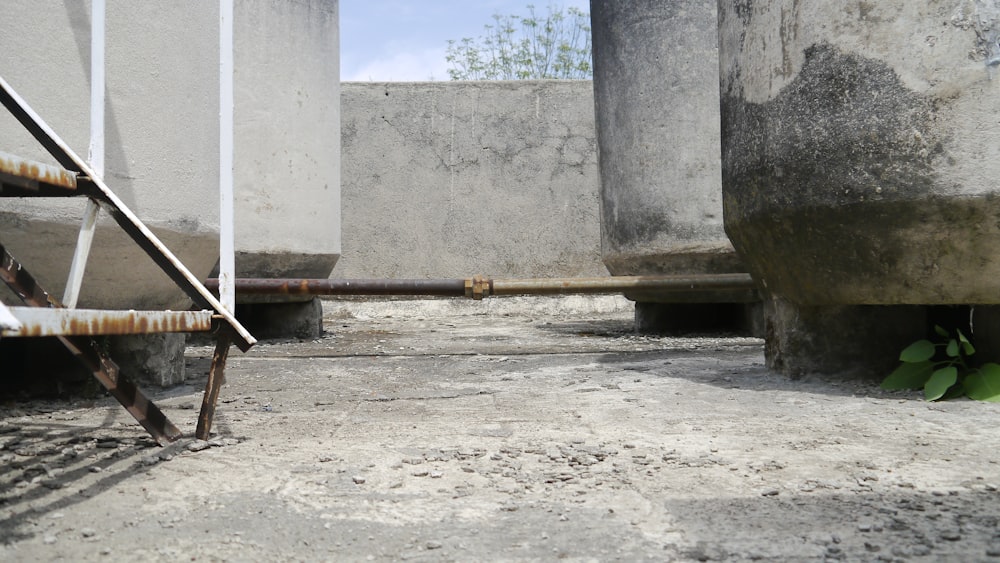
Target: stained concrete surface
(437, 431)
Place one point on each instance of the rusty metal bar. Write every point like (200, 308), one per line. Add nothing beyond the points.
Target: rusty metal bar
(28, 177)
(87, 351)
(479, 287)
(22, 283)
(95, 187)
(89, 322)
(441, 287)
(216, 377)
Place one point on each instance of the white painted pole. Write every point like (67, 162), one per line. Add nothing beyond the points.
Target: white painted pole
(227, 231)
(96, 153)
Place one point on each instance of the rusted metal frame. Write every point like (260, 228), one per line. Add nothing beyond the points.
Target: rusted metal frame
(216, 378)
(22, 283)
(30, 177)
(37, 321)
(131, 224)
(89, 353)
(479, 287)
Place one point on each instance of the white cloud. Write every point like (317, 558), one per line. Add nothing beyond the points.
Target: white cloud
(402, 66)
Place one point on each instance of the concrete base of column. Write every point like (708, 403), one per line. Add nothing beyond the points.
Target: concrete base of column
(282, 320)
(857, 341)
(686, 318)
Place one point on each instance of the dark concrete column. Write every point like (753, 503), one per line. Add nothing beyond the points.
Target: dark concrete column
(856, 169)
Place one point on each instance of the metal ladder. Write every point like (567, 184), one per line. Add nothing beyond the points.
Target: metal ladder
(76, 329)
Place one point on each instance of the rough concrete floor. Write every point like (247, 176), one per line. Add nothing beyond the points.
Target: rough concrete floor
(538, 433)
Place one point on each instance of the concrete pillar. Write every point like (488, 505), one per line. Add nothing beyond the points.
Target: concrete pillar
(657, 107)
(287, 152)
(859, 164)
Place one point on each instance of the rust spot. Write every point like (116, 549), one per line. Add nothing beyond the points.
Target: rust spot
(30, 174)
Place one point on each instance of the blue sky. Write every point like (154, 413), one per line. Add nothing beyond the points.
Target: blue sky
(403, 40)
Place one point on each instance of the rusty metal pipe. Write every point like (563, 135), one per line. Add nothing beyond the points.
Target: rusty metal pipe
(479, 287)
(279, 286)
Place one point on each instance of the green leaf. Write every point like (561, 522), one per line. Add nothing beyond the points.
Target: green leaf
(919, 351)
(967, 346)
(909, 376)
(952, 349)
(939, 382)
(984, 385)
(940, 331)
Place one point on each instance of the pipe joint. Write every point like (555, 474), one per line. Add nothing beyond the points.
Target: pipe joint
(478, 287)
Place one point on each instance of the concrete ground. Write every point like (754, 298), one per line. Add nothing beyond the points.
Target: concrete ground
(535, 429)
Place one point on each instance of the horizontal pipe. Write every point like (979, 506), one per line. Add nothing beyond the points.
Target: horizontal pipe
(479, 287)
(619, 284)
(277, 286)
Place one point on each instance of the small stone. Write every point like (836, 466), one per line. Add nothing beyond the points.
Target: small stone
(865, 527)
(198, 445)
(468, 469)
(49, 540)
(358, 480)
(770, 493)
(433, 545)
(421, 473)
(436, 474)
(88, 532)
(993, 551)
(951, 535)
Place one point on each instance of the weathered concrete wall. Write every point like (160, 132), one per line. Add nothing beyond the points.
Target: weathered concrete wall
(162, 139)
(162, 128)
(287, 155)
(453, 179)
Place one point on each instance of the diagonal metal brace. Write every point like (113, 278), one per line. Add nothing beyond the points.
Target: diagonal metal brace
(89, 353)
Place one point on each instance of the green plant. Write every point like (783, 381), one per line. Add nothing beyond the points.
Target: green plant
(942, 370)
(556, 45)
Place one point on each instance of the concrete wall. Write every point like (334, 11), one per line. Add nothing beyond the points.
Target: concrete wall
(287, 155)
(162, 139)
(162, 127)
(450, 179)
